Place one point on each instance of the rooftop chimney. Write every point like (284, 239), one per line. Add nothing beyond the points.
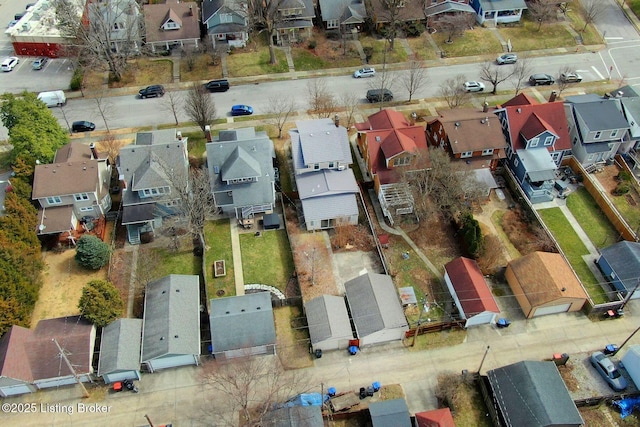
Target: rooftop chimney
(553, 96)
(207, 133)
(190, 10)
(179, 135)
(336, 120)
(94, 153)
(485, 107)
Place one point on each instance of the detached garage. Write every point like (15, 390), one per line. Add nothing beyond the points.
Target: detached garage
(171, 329)
(120, 351)
(15, 372)
(329, 325)
(620, 264)
(543, 283)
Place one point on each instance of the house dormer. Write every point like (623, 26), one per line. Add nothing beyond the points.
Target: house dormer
(171, 21)
(536, 133)
(240, 168)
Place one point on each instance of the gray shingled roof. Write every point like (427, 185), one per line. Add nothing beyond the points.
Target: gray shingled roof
(598, 113)
(533, 394)
(325, 182)
(318, 141)
(374, 304)
(242, 322)
(120, 346)
(343, 10)
(171, 317)
(327, 318)
(258, 147)
(330, 207)
(390, 413)
(446, 7)
(488, 5)
(538, 164)
(624, 259)
(296, 416)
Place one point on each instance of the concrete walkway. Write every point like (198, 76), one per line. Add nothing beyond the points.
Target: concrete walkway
(238, 274)
(133, 279)
(405, 45)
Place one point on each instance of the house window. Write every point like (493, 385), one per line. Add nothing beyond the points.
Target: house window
(316, 166)
(487, 152)
(226, 18)
(555, 156)
(332, 23)
(614, 133)
(87, 209)
(152, 192)
(575, 140)
(534, 142)
(80, 197)
(516, 162)
(401, 161)
(548, 140)
(170, 25)
(466, 154)
(54, 200)
(597, 135)
(118, 26)
(331, 165)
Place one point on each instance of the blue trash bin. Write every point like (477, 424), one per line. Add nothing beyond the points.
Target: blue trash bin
(610, 349)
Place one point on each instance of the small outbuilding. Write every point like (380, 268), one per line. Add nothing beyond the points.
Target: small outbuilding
(271, 221)
(620, 264)
(120, 351)
(294, 416)
(631, 362)
(329, 325)
(436, 418)
(390, 413)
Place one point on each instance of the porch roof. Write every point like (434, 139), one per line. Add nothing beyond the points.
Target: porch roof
(538, 164)
(497, 5)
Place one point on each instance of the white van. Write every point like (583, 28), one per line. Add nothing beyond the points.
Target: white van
(54, 98)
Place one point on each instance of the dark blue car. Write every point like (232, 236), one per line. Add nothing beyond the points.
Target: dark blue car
(241, 110)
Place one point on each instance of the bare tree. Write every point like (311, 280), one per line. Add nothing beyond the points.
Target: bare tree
(543, 11)
(382, 80)
(265, 16)
(112, 35)
(322, 103)
(173, 103)
(104, 108)
(452, 90)
(521, 72)
(350, 102)
(593, 9)
(391, 15)
(414, 78)
(561, 82)
(454, 24)
(111, 146)
(199, 105)
(196, 200)
(281, 108)
(249, 387)
(495, 74)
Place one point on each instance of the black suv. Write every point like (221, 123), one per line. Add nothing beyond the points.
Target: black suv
(83, 126)
(541, 79)
(217, 86)
(377, 95)
(155, 91)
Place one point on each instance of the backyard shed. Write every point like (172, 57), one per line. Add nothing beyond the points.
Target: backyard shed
(120, 351)
(543, 283)
(15, 375)
(329, 325)
(470, 292)
(631, 362)
(390, 413)
(620, 264)
(436, 418)
(375, 309)
(294, 416)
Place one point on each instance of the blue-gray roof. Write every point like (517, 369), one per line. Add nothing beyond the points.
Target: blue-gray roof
(327, 318)
(446, 7)
(343, 10)
(326, 183)
(538, 164)
(242, 321)
(624, 259)
(295, 416)
(488, 5)
(390, 413)
(374, 304)
(120, 346)
(171, 317)
(319, 141)
(533, 394)
(598, 113)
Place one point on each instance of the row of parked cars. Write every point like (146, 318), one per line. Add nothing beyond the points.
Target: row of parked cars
(8, 64)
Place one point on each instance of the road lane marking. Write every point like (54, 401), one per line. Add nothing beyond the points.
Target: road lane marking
(595, 70)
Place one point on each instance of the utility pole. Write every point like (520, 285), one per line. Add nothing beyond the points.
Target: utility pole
(149, 420)
(483, 357)
(423, 301)
(85, 393)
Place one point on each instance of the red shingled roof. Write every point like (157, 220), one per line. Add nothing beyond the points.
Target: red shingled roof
(472, 290)
(533, 119)
(435, 418)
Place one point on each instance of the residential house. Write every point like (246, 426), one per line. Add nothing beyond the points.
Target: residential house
(387, 413)
(537, 140)
(118, 22)
(172, 24)
(326, 185)
(435, 9)
(384, 12)
(435, 418)
(240, 164)
(375, 309)
(294, 21)
(620, 264)
(242, 325)
(494, 12)
(171, 329)
(391, 147)
(31, 359)
(471, 294)
(226, 22)
(329, 325)
(543, 283)
(597, 126)
(531, 393)
(630, 150)
(294, 416)
(120, 351)
(344, 16)
(73, 190)
(152, 171)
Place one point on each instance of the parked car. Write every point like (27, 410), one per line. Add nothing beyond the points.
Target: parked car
(507, 58)
(30, 6)
(151, 91)
(473, 86)
(571, 77)
(364, 72)
(39, 63)
(607, 369)
(9, 63)
(12, 23)
(217, 85)
(377, 95)
(541, 79)
(19, 15)
(83, 126)
(241, 110)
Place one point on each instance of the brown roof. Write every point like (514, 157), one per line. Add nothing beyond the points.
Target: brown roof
(55, 219)
(413, 10)
(75, 151)
(60, 179)
(13, 354)
(183, 13)
(471, 130)
(546, 277)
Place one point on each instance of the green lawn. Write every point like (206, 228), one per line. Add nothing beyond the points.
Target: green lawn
(267, 259)
(242, 64)
(574, 249)
(528, 37)
(218, 240)
(304, 60)
(635, 6)
(182, 262)
(398, 54)
(422, 48)
(591, 219)
(478, 41)
(631, 213)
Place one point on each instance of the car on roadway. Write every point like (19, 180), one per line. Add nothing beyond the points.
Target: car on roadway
(151, 91)
(364, 72)
(379, 95)
(571, 77)
(83, 126)
(507, 58)
(473, 86)
(217, 85)
(607, 369)
(541, 79)
(39, 63)
(9, 63)
(241, 110)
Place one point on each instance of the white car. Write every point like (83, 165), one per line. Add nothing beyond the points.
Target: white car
(364, 72)
(9, 63)
(473, 86)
